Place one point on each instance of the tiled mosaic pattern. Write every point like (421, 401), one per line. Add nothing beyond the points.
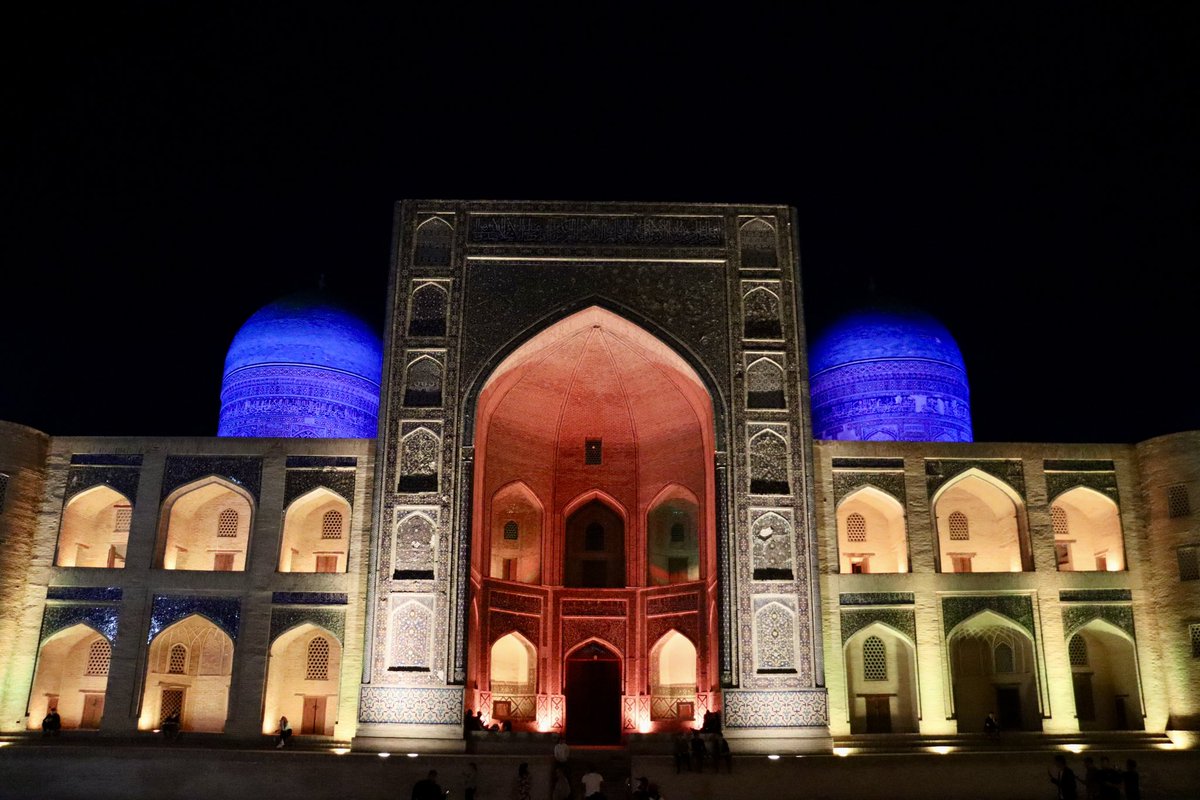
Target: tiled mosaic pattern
(1018, 608)
(876, 598)
(59, 617)
(628, 231)
(320, 462)
(1094, 595)
(1076, 616)
(123, 479)
(411, 706)
(891, 483)
(300, 482)
(284, 619)
(224, 612)
(103, 594)
(1103, 482)
(940, 471)
(854, 621)
(799, 709)
(245, 471)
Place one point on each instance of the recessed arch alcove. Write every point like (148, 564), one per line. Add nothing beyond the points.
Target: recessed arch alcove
(593, 483)
(95, 529)
(72, 677)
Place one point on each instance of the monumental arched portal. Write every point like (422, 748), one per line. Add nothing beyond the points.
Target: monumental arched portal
(593, 515)
(594, 503)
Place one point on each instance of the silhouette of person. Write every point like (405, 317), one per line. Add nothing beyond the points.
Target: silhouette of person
(1064, 778)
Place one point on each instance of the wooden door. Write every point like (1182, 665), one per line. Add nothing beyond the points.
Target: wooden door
(879, 713)
(93, 710)
(593, 696)
(314, 716)
(1085, 701)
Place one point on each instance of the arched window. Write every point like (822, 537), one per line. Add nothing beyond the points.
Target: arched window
(227, 522)
(1058, 518)
(331, 525)
(99, 656)
(317, 665)
(1077, 651)
(678, 533)
(1004, 658)
(959, 531)
(512, 530)
(856, 528)
(177, 662)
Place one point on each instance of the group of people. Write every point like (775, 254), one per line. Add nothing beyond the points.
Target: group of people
(692, 753)
(1098, 782)
(474, 722)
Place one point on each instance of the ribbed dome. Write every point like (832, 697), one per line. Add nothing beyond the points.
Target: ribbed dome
(302, 367)
(889, 373)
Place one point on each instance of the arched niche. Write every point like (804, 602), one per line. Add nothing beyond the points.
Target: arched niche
(765, 385)
(1105, 680)
(423, 383)
(95, 529)
(769, 473)
(672, 673)
(872, 537)
(303, 681)
(1087, 532)
(980, 525)
(993, 667)
(512, 677)
(71, 676)
(188, 671)
(427, 310)
(316, 533)
(516, 534)
(595, 546)
(761, 314)
(881, 680)
(672, 537)
(434, 243)
(205, 526)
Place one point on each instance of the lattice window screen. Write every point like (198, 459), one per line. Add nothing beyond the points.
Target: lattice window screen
(99, 656)
(959, 529)
(856, 528)
(1077, 650)
(331, 525)
(1189, 563)
(177, 663)
(512, 531)
(227, 523)
(1179, 504)
(1058, 518)
(874, 659)
(317, 668)
(1194, 630)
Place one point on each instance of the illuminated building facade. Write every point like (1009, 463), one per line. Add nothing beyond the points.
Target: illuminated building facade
(595, 505)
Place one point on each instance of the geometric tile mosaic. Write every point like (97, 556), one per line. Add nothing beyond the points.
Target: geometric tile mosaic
(410, 705)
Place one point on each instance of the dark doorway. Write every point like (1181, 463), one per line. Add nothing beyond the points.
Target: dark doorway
(593, 696)
(879, 713)
(1085, 700)
(1121, 714)
(1008, 707)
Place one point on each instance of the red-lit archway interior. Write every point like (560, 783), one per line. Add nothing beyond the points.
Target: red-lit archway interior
(593, 530)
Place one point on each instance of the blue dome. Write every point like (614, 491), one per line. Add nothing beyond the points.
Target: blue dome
(891, 374)
(302, 367)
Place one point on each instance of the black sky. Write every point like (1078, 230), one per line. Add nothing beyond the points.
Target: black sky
(1030, 176)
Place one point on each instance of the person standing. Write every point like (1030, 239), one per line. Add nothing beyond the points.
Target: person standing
(1132, 781)
(562, 785)
(681, 753)
(523, 787)
(592, 783)
(699, 752)
(721, 753)
(428, 788)
(1064, 779)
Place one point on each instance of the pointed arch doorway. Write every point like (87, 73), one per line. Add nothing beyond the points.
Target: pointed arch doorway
(593, 693)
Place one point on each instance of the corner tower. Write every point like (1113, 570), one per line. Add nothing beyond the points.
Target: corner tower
(594, 508)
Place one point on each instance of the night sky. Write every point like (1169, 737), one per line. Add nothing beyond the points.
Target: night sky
(1029, 177)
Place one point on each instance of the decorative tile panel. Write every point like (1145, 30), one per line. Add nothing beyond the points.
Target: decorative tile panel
(1104, 483)
(320, 462)
(1017, 607)
(672, 604)
(593, 608)
(224, 612)
(797, 709)
(603, 230)
(890, 483)
(58, 617)
(771, 537)
(413, 706)
(510, 601)
(299, 482)
(876, 599)
(123, 479)
(245, 471)
(332, 620)
(939, 471)
(310, 598)
(1076, 616)
(103, 594)
(854, 621)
